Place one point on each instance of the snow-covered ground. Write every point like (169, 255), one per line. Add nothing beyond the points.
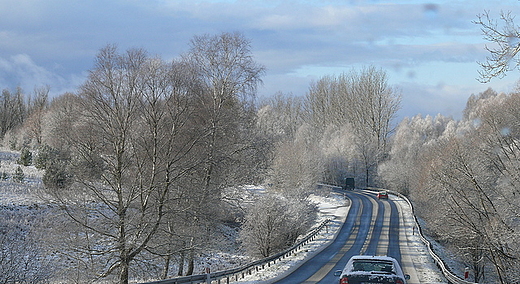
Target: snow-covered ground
(333, 206)
(336, 208)
(16, 193)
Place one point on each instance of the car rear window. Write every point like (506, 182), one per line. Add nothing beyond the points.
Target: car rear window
(374, 266)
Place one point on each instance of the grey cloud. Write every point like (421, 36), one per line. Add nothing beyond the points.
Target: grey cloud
(21, 71)
(61, 37)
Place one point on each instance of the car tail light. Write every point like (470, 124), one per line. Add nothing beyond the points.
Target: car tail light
(343, 280)
(399, 281)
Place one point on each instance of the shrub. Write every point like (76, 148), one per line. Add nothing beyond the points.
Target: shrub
(25, 158)
(274, 223)
(45, 156)
(19, 176)
(57, 176)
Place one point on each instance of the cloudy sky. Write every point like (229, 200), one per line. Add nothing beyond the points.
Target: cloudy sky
(429, 49)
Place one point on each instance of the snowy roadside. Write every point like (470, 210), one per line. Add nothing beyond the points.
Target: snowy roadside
(333, 207)
(423, 268)
(336, 208)
(27, 195)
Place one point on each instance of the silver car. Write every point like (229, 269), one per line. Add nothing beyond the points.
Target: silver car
(361, 269)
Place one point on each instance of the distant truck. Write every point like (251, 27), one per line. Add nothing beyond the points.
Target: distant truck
(350, 184)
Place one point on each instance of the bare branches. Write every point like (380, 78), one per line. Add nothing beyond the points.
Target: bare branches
(151, 145)
(506, 38)
(363, 100)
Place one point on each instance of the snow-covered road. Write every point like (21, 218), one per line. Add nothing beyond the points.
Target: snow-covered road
(366, 226)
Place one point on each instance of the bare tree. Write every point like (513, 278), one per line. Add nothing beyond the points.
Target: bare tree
(36, 110)
(130, 146)
(59, 120)
(363, 100)
(504, 57)
(230, 75)
(12, 110)
(274, 223)
(225, 118)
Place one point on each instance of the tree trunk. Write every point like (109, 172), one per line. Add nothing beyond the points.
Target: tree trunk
(191, 263)
(123, 273)
(181, 264)
(166, 268)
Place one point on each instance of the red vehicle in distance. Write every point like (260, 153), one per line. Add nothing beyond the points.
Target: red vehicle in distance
(382, 195)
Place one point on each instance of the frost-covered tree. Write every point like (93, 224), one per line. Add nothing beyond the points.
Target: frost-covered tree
(365, 101)
(274, 223)
(466, 184)
(504, 54)
(296, 166)
(412, 138)
(280, 116)
(340, 154)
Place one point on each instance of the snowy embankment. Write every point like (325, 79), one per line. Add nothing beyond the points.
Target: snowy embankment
(227, 254)
(336, 208)
(333, 207)
(18, 193)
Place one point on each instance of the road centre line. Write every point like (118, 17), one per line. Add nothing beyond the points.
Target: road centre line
(375, 212)
(354, 233)
(384, 240)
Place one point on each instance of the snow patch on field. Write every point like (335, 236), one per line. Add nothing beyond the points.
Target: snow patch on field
(226, 254)
(16, 193)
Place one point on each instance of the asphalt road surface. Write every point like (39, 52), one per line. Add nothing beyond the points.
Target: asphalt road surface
(372, 227)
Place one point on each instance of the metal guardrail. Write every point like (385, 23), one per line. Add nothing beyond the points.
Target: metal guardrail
(247, 269)
(241, 272)
(450, 276)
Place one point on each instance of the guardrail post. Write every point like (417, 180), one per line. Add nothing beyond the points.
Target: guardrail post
(248, 268)
(208, 276)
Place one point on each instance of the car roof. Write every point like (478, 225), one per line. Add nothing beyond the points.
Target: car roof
(373, 257)
(387, 259)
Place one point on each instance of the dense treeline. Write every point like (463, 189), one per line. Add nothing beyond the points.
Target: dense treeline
(141, 158)
(464, 177)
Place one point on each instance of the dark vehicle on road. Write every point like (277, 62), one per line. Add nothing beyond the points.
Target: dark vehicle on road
(382, 195)
(364, 269)
(350, 184)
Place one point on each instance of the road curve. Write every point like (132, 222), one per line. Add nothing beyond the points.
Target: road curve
(372, 227)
